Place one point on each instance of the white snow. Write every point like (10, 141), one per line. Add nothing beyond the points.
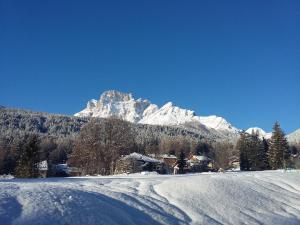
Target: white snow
(167, 156)
(269, 197)
(42, 166)
(261, 133)
(114, 103)
(138, 156)
(169, 115)
(88, 111)
(6, 176)
(294, 137)
(123, 105)
(217, 123)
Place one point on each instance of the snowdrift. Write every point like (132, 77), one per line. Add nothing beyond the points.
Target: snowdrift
(269, 197)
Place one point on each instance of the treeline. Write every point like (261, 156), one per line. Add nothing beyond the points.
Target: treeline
(262, 154)
(94, 145)
(32, 148)
(56, 135)
(18, 123)
(98, 146)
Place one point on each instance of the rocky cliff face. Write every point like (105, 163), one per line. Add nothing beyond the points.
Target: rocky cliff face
(140, 111)
(124, 106)
(117, 104)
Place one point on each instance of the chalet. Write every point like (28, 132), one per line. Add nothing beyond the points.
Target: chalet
(199, 163)
(169, 162)
(135, 163)
(42, 168)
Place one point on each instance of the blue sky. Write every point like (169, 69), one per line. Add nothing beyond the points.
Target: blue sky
(236, 59)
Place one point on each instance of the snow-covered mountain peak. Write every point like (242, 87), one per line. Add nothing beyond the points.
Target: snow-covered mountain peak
(217, 123)
(294, 137)
(168, 105)
(88, 111)
(261, 133)
(115, 96)
(169, 115)
(115, 103)
(255, 130)
(91, 104)
(171, 108)
(123, 105)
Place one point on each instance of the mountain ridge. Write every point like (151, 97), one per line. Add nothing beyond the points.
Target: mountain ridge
(124, 106)
(169, 115)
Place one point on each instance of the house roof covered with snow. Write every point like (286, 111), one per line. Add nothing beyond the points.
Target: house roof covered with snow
(141, 157)
(166, 156)
(200, 158)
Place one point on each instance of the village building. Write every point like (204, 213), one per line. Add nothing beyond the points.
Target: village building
(135, 163)
(199, 163)
(169, 162)
(42, 168)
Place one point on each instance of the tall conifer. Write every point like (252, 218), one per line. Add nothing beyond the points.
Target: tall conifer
(279, 155)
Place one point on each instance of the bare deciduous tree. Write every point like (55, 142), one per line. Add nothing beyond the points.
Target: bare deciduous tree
(224, 154)
(100, 144)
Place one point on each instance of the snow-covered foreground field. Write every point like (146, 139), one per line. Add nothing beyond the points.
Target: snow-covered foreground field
(270, 197)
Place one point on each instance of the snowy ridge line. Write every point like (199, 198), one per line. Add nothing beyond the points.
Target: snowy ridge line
(123, 105)
(142, 111)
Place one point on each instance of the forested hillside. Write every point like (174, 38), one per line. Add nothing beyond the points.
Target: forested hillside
(57, 134)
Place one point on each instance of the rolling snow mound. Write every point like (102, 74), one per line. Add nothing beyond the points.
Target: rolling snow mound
(269, 197)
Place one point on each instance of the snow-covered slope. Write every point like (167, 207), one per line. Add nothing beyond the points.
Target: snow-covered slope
(294, 137)
(217, 123)
(123, 105)
(261, 133)
(89, 110)
(268, 197)
(169, 115)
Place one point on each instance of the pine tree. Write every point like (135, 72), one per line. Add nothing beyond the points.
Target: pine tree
(181, 162)
(251, 153)
(253, 149)
(27, 164)
(243, 149)
(263, 156)
(293, 150)
(279, 154)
